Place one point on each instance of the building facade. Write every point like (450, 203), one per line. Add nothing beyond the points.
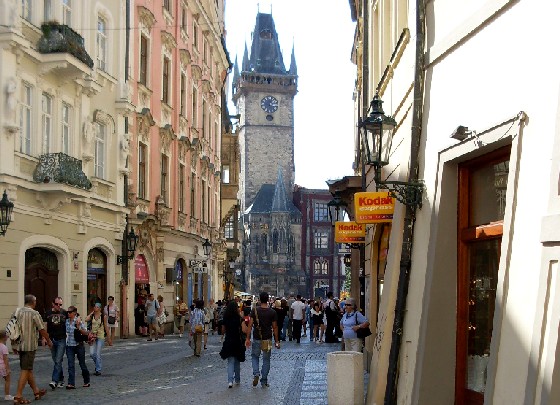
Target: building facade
(479, 322)
(63, 148)
(179, 66)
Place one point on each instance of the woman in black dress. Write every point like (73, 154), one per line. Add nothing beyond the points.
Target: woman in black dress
(233, 348)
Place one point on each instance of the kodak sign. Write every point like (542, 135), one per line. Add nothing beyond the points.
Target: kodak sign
(349, 232)
(373, 207)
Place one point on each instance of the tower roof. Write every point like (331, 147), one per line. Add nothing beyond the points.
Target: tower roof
(279, 201)
(293, 66)
(266, 55)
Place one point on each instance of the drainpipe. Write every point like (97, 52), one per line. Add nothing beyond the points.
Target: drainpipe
(408, 230)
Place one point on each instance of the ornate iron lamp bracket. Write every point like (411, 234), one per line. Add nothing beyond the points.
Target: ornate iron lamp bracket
(409, 194)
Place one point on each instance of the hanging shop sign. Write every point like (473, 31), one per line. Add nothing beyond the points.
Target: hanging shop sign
(373, 207)
(349, 232)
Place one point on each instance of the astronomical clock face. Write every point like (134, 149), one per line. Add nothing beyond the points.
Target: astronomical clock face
(269, 104)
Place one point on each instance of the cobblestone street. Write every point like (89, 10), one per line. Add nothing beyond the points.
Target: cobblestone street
(141, 372)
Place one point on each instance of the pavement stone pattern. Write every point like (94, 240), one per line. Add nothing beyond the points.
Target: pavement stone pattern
(165, 371)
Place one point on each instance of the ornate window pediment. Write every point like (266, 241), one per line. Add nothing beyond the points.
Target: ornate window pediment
(196, 72)
(168, 41)
(185, 57)
(145, 120)
(167, 136)
(146, 17)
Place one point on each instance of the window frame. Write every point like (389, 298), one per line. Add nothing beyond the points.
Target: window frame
(321, 240)
(164, 178)
(194, 102)
(27, 10)
(67, 12)
(26, 118)
(183, 94)
(193, 195)
(46, 122)
(142, 169)
(102, 43)
(165, 78)
(100, 144)
(318, 209)
(66, 128)
(181, 194)
(144, 57)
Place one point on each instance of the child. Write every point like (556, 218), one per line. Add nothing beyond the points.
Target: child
(5, 366)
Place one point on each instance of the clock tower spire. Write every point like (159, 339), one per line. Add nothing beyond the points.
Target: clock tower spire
(263, 93)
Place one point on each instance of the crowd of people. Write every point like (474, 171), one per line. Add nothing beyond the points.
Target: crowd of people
(243, 325)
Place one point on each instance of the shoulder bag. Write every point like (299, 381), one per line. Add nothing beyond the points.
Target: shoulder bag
(266, 345)
(362, 332)
(111, 320)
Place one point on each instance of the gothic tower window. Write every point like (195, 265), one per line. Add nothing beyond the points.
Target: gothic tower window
(275, 241)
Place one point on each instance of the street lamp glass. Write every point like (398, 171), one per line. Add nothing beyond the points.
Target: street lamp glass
(377, 134)
(207, 247)
(131, 241)
(6, 208)
(336, 207)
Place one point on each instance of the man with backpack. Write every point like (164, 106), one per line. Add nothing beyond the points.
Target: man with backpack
(30, 326)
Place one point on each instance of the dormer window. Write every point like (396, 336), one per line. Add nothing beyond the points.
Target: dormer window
(266, 34)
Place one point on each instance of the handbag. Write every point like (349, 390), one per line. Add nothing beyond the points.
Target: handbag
(111, 320)
(266, 344)
(162, 319)
(198, 329)
(362, 332)
(79, 337)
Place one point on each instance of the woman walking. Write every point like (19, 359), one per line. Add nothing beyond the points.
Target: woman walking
(99, 329)
(74, 348)
(197, 326)
(317, 320)
(351, 321)
(111, 312)
(233, 348)
(161, 316)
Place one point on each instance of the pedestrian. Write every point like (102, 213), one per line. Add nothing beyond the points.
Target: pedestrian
(281, 315)
(56, 328)
(263, 323)
(213, 320)
(309, 319)
(297, 313)
(76, 349)
(190, 335)
(5, 371)
(152, 308)
(290, 326)
(332, 319)
(111, 312)
(98, 326)
(180, 312)
(140, 323)
(233, 348)
(286, 322)
(220, 315)
(351, 321)
(208, 315)
(317, 319)
(32, 326)
(161, 317)
(197, 326)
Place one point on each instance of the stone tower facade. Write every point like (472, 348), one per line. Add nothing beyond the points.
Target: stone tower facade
(263, 93)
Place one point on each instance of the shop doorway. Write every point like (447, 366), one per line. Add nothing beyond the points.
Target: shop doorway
(41, 277)
(96, 278)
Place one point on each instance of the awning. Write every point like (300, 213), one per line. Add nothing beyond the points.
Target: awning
(141, 273)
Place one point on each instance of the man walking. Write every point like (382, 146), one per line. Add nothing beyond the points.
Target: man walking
(31, 326)
(332, 319)
(180, 312)
(297, 313)
(263, 321)
(56, 328)
(152, 307)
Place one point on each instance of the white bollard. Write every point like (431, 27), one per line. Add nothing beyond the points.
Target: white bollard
(345, 378)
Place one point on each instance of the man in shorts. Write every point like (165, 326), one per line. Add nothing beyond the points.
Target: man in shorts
(32, 326)
(180, 312)
(152, 307)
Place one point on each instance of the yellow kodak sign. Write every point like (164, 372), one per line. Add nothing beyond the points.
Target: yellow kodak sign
(373, 207)
(349, 232)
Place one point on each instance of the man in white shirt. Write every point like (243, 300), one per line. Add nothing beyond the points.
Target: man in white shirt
(297, 312)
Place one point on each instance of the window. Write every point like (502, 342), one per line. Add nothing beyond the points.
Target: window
(225, 174)
(164, 177)
(320, 212)
(321, 240)
(165, 84)
(47, 10)
(167, 5)
(229, 228)
(204, 119)
(65, 130)
(142, 159)
(67, 12)
(205, 51)
(46, 123)
(275, 242)
(194, 106)
(26, 9)
(195, 36)
(481, 209)
(183, 94)
(181, 207)
(143, 60)
(203, 202)
(25, 119)
(193, 185)
(320, 266)
(99, 161)
(101, 44)
(184, 19)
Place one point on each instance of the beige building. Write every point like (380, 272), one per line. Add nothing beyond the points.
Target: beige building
(63, 150)
(474, 90)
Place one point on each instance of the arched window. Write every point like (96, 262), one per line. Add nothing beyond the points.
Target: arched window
(275, 241)
(264, 244)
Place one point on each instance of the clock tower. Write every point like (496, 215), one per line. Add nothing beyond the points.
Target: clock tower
(263, 93)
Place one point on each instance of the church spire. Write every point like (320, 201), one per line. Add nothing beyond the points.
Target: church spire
(235, 72)
(293, 66)
(245, 63)
(266, 55)
(280, 201)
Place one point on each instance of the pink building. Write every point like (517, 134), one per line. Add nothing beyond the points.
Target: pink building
(177, 68)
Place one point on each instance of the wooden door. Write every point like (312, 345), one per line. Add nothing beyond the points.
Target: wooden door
(41, 277)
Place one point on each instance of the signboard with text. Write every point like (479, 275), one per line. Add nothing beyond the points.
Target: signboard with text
(349, 232)
(373, 207)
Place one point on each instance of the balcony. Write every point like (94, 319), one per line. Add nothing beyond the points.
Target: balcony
(61, 168)
(59, 38)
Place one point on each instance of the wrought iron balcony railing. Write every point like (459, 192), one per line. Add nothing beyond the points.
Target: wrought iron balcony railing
(61, 168)
(58, 38)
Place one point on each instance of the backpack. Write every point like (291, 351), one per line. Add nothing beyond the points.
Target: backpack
(13, 328)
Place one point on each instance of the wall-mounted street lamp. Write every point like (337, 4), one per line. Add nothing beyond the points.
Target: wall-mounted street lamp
(131, 240)
(337, 208)
(207, 248)
(6, 208)
(377, 138)
(201, 265)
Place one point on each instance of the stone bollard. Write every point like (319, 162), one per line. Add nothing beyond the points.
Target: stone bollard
(345, 378)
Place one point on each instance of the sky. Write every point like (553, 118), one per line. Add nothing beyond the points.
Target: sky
(322, 33)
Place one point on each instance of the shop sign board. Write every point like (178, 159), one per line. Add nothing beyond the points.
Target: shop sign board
(349, 232)
(373, 207)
